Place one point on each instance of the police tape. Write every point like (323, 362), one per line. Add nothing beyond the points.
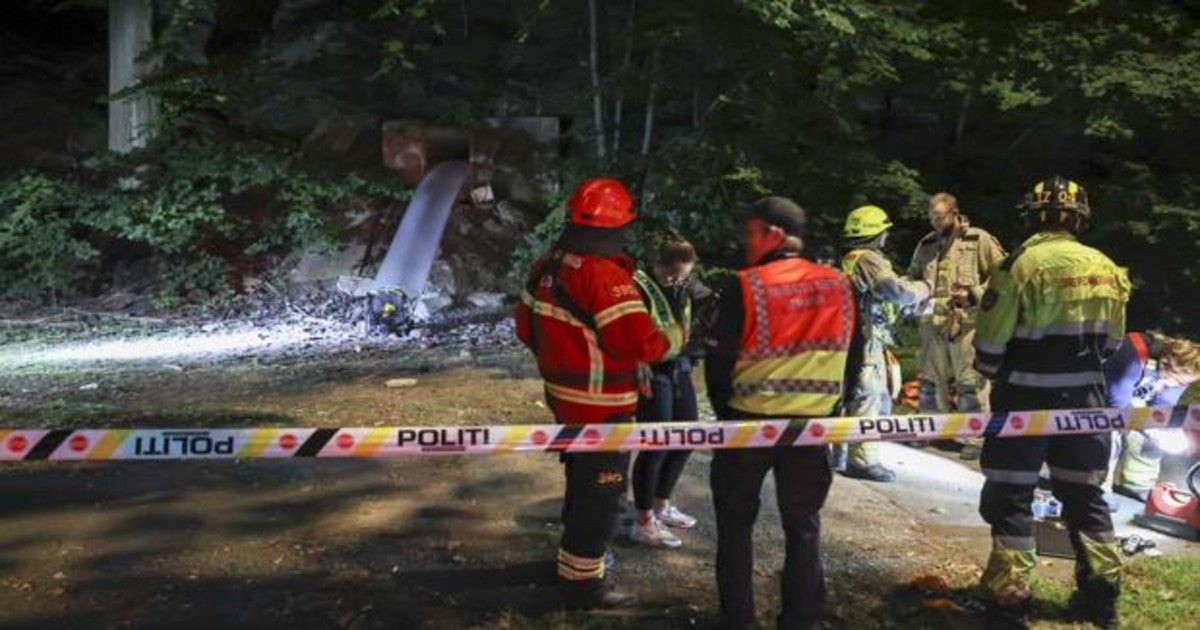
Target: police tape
(274, 443)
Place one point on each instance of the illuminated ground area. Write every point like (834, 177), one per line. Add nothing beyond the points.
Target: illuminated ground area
(446, 542)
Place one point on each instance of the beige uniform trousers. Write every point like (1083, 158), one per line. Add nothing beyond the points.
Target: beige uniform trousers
(949, 381)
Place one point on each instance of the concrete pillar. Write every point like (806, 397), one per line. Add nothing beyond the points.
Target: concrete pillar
(129, 35)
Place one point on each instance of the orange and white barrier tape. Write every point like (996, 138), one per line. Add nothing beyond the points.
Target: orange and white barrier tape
(269, 443)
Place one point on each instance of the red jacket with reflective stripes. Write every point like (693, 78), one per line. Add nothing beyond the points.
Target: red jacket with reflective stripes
(584, 320)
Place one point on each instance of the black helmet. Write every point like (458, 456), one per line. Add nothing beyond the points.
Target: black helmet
(1056, 193)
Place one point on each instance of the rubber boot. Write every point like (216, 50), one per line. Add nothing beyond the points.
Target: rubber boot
(872, 472)
(1008, 617)
(804, 623)
(1095, 602)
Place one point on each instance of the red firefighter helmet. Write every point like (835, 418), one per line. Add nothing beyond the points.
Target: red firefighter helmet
(601, 202)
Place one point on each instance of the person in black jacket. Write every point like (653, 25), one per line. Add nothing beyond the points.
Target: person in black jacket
(784, 344)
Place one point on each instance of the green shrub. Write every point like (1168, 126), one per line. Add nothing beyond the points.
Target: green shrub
(43, 249)
(204, 212)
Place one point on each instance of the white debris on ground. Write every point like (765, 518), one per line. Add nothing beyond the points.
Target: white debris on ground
(264, 327)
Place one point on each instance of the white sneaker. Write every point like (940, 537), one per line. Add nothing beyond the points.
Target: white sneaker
(672, 517)
(653, 534)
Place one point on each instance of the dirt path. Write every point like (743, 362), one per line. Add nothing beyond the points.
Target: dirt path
(448, 542)
(415, 543)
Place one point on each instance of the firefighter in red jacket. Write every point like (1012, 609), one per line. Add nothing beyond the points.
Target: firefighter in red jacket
(583, 318)
(786, 344)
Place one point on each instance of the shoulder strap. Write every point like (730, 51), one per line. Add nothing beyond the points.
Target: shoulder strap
(1138, 341)
(552, 268)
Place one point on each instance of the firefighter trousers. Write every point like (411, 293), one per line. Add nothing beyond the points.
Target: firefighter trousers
(596, 484)
(1078, 466)
(949, 380)
(802, 480)
(870, 397)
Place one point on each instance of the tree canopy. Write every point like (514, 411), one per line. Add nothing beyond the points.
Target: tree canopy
(706, 104)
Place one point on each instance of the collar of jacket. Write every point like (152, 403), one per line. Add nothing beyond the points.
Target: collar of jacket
(778, 253)
(604, 242)
(1046, 237)
(1154, 345)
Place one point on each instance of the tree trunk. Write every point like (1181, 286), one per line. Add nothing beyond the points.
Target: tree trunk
(625, 62)
(648, 124)
(594, 60)
(130, 119)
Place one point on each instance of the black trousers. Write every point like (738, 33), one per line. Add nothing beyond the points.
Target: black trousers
(655, 473)
(802, 480)
(596, 484)
(1078, 467)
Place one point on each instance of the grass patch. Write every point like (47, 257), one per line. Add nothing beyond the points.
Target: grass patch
(1159, 592)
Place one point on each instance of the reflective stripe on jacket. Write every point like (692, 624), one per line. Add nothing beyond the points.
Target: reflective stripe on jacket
(585, 322)
(799, 320)
(1051, 313)
(660, 308)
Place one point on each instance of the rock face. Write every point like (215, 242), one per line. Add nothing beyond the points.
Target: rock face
(470, 271)
(322, 267)
(496, 204)
(441, 290)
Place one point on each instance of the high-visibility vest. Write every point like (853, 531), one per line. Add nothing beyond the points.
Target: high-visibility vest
(799, 320)
(658, 304)
(656, 300)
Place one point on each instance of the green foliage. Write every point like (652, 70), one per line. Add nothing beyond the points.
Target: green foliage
(42, 252)
(205, 212)
(832, 102)
(536, 242)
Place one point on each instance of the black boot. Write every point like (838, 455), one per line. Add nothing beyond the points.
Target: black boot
(595, 595)
(1095, 601)
(872, 472)
(1008, 617)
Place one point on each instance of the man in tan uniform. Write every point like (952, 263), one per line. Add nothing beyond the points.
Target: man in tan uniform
(955, 259)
